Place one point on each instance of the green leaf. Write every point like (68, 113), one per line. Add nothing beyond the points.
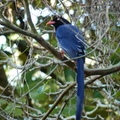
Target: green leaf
(69, 74)
(41, 89)
(97, 94)
(117, 94)
(115, 57)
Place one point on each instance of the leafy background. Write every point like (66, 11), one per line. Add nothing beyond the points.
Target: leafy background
(36, 82)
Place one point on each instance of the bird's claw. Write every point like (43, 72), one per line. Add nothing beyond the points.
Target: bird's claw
(62, 53)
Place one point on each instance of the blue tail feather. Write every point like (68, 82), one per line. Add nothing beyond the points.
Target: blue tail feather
(80, 87)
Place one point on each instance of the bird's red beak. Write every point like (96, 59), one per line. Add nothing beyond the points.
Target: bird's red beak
(50, 23)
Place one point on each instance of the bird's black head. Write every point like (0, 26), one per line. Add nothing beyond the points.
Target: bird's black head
(58, 21)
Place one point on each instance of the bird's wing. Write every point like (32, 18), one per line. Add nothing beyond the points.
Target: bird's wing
(70, 39)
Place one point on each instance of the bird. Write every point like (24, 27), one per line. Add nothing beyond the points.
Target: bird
(71, 41)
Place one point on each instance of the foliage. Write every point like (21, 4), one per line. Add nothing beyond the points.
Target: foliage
(36, 82)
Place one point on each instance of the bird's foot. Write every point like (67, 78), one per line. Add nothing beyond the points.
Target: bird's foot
(62, 53)
(75, 62)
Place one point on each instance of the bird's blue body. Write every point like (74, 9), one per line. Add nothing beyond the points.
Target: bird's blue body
(67, 36)
(72, 42)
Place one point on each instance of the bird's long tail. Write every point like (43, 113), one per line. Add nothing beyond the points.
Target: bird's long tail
(80, 87)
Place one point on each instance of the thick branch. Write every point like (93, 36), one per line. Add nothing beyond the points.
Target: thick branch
(6, 32)
(103, 71)
(40, 40)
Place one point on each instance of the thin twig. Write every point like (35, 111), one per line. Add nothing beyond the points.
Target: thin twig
(29, 17)
(58, 100)
(1, 6)
(65, 103)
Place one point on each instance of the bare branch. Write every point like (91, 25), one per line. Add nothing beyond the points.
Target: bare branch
(103, 71)
(88, 72)
(58, 100)
(1, 6)
(6, 32)
(29, 17)
(20, 103)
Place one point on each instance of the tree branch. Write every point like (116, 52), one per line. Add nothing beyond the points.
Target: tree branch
(20, 103)
(40, 40)
(29, 17)
(6, 32)
(103, 71)
(1, 6)
(58, 100)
